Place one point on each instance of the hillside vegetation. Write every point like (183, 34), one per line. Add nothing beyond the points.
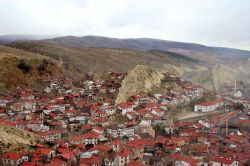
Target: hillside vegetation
(12, 138)
(200, 52)
(208, 66)
(104, 59)
(20, 68)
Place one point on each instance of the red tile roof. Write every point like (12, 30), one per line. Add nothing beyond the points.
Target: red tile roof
(70, 112)
(189, 160)
(135, 163)
(66, 155)
(124, 106)
(91, 134)
(222, 160)
(153, 104)
(86, 126)
(124, 153)
(43, 151)
(93, 160)
(143, 111)
(2, 111)
(8, 123)
(209, 103)
(157, 110)
(12, 156)
(103, 148)
(25, 163)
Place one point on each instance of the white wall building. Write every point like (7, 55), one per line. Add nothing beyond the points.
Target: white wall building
(223, 161)
(208, 106)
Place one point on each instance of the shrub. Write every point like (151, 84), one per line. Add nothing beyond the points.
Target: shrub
(22, 65)
(43, 66)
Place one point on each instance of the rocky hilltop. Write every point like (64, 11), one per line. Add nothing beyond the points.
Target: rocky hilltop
(208, 66)
(215, 77)
(140, 79)
(12, 138)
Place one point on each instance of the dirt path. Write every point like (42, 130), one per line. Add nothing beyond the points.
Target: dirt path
(188, 115)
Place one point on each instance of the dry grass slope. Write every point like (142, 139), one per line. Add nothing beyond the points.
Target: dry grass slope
(12, 138)
(104, 59)
(210, 67)
(12, 77)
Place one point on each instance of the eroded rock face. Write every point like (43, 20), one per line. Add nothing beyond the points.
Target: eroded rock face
(12, 138)
(140, 79)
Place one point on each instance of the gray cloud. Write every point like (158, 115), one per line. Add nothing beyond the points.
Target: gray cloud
(211, 22)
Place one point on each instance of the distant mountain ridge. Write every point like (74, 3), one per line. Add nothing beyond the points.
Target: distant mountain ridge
(195, 51)
(104, 59)
(143, 44)
(6, 39)
(192, 50)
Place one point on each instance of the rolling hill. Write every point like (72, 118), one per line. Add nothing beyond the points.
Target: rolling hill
(105, 59)
(208, 66)
(195, 51)
(6, 39)
(19, 68)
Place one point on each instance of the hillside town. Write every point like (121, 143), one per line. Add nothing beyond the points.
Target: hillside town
(84, 126)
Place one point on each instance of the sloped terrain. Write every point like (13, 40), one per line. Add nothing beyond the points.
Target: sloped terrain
(140, 79)
(219, 74)
(7, 52)
(196, 51)
(104, 59)
(21, 68)
(12, 138)
(208, 66)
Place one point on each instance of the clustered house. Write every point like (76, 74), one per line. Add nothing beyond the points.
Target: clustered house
(84, 126)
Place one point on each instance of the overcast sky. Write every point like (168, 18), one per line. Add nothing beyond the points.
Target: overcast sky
(211, 22)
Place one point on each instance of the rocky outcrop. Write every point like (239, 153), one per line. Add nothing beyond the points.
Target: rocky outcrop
(140, 79)
(12, 138)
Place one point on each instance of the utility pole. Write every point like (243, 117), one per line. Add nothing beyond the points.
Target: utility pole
(226, 127)
(235, 85)
(147, 61)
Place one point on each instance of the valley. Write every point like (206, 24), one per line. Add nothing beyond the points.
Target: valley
(78, 99)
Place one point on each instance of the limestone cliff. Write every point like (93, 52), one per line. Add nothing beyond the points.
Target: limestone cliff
(139, 79)
(12, 138)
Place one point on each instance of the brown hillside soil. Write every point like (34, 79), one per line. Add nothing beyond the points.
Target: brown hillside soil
(12, 138)
(12, 76)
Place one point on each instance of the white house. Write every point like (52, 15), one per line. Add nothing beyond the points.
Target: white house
(158, 112)
(3, 102)
(125, 108)
(30, 105)
(223, 161)
(110, 110)
(208, 106)
(27, 96)
(116, 131)
(122, 158)
(90, 138)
